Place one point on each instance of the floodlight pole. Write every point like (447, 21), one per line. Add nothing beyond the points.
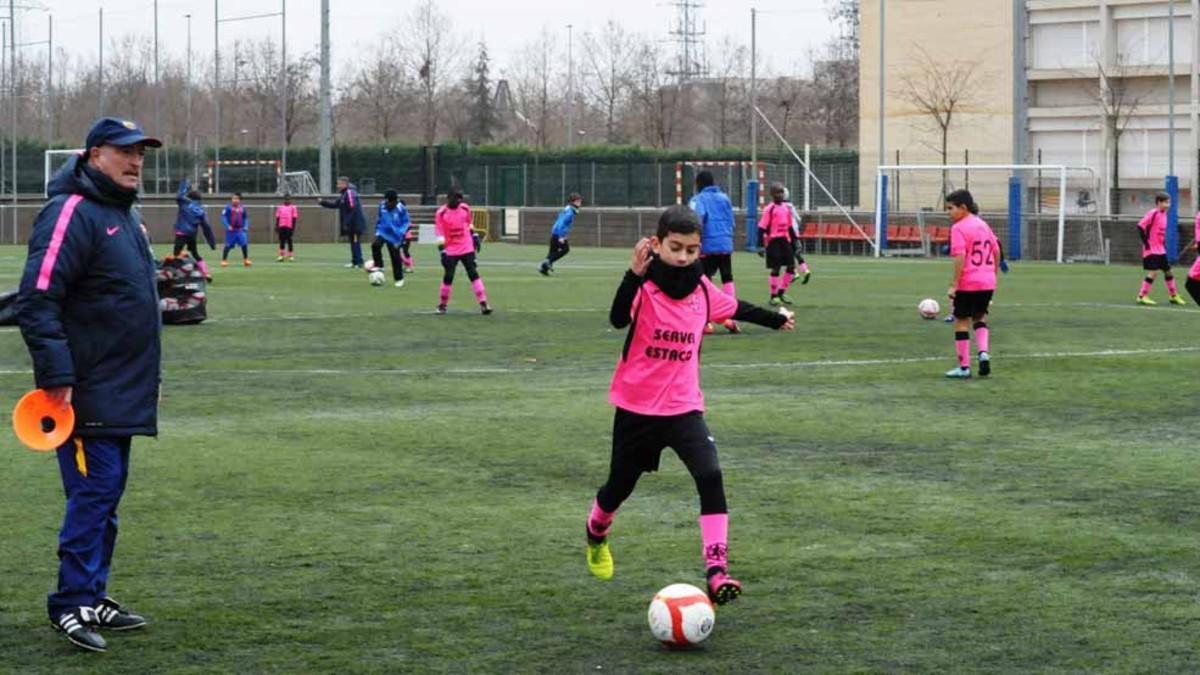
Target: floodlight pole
(157, 107)
(188, 96)
(752, 186)
(100, 69)
(326, 169)
(570, 86)
(215, 186)
(283, 90)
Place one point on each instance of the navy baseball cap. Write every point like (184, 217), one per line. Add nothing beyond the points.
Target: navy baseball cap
(116, 131)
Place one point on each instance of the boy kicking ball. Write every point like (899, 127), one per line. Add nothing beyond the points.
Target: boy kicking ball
(665, 299)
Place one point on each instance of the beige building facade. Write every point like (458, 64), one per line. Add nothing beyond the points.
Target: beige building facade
(1075, 82)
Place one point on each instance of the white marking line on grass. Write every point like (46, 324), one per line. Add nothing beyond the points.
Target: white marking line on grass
(716, 366)
(382, 315)
(1095, 305)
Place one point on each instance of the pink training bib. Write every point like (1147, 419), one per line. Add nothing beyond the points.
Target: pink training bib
(973, 240)
(660, 372)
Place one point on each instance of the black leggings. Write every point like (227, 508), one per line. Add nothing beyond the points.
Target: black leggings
(1193, 289)
(559, 248)
(393, 253)
(450, 262)
(285, 239)
(719, 262)
(181, 242)
(638, 442)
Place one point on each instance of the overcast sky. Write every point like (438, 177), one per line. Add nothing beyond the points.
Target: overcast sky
(787, 29)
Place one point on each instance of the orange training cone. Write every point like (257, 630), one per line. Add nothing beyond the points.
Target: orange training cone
(41, 422)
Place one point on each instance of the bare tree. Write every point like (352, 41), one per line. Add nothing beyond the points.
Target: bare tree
(534, 86)
(729, 99)
(607, 65)
(940, 90)
(433, 58)
(383, 90)
(1118, 101)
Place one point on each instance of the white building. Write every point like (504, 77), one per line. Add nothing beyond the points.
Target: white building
(1062, 80)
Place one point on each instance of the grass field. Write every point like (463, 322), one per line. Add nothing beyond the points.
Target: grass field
(345, 481)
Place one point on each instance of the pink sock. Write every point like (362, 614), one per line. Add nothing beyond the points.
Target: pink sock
(963, 346)
(282, 253)
(804, 267)
(444, 294)
(981, 337)
(787, 280)
(714, 529)
(599, 521)
(729, 289)
(1145, 288)
(1171, 287)
(480, 291)
(203, 267)
(774, 285)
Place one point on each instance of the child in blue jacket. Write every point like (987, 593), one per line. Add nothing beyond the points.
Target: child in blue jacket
(391, 229)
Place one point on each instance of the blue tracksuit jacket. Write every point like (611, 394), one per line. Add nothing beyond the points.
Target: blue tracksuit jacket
(565, 221)
(88, 304)
(392, 225)
(716, 220)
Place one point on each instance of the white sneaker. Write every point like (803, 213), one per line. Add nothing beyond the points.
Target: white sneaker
(400, 284)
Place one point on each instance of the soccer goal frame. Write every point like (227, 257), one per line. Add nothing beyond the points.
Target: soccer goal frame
(1013, 247)
(47, 171)
(748, 167)
(212, 169)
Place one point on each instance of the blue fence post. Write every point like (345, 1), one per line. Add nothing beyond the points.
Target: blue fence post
(1013, 252)
(1173, 220)
(881, 213)
(752, 215)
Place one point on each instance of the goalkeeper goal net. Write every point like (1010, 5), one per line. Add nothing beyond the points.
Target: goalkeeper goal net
(1038, 211)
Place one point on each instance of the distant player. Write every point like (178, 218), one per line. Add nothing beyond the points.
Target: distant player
(715, 212)
(287, 216)
(237, 224)
(351, 219)
(1193, 281)
(1153, 230)
(391, 229)
(452, 222)
(775, 232)
(665, 299)
(559, 247)
(797, 244)
(977, 255)
(188, 223)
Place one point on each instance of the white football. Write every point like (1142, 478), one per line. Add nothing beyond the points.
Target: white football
(681, 615)
(928, 308)
(376, 277)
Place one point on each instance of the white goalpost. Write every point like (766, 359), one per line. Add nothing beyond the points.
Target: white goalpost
(52, 160)
(1089, 242)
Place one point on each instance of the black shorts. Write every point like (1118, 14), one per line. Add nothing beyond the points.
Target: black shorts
(1157, 261)
(779, 253)
(718, 262)
(970, 304)
(638, 440)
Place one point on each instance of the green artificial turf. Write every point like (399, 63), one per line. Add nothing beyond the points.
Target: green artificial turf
(347, 482)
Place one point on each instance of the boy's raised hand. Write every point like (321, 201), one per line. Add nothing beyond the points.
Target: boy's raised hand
(641, 258)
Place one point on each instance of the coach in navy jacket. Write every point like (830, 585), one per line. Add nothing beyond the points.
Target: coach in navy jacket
(351, 217)
(88, 310)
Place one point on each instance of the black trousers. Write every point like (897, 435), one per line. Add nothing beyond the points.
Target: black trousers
(718, 262)
(182, 242)
(1193, 289)
(450, 263)
(638, 442)
(559, 248)
(393, 253)
(285, 239)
